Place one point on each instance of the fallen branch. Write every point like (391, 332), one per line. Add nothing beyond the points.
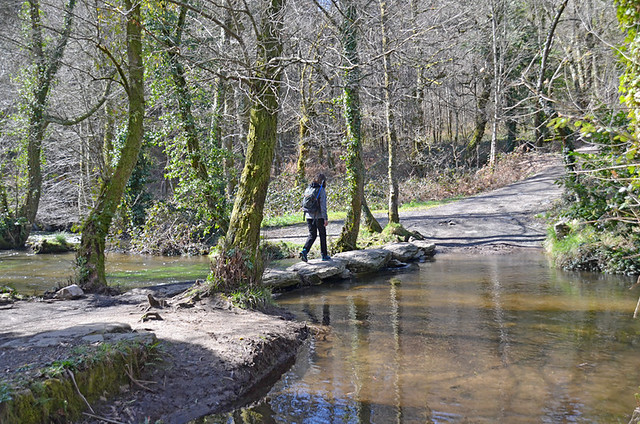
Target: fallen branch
(73, 378)
(102, 418)
(127, 370)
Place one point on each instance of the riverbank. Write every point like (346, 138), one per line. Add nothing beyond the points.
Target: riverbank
(208, 354)
(205, 357)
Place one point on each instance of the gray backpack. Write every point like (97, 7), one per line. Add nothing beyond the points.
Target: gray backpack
(311, 199)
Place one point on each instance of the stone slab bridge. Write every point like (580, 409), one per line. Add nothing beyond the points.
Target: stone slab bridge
(344, 265)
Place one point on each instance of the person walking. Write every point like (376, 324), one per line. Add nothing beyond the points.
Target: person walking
(315, 213)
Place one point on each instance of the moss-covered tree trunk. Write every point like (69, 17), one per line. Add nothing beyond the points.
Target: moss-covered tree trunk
(353, 139)
(90, 257)
(16, 227)
(370, 222)
(243, 234)
(214, 201)
(481, 119)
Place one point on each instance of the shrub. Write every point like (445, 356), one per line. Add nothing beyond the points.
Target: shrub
(170, 230)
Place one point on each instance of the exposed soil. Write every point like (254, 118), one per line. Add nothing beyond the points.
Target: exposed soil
(211, 355)
(214, 354)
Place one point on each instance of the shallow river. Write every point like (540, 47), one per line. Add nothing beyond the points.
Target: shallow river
(462, 339)
(480, 339)
(34, 274)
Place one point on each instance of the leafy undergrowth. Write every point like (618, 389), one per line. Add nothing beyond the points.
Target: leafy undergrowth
(585, 248)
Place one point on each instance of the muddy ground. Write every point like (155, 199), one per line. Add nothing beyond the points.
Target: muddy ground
(213, 354)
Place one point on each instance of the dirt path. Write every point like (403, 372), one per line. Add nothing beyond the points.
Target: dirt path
(507, 218)
(212, 354)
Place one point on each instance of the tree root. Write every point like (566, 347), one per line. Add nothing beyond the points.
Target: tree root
(73, 379)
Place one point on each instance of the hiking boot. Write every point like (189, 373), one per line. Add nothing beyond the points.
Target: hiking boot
(303, 256)
(326, 258)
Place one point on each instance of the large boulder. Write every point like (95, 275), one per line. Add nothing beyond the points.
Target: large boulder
(403, 252)
(314, 272)
(70, 292)
(428, 249)
(280, 279)
(368, 260)
(44, 246)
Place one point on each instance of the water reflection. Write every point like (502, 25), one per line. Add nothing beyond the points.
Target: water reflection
(466, 339)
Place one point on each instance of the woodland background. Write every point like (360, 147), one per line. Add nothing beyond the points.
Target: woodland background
(452, 85)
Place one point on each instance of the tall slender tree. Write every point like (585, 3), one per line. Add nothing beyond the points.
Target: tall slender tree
(46, 52)
(90, 258)
(243, 235)
(390, 133)
(348, 237)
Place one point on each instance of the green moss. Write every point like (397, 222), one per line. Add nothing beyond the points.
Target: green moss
(54, 397)
(279, 250)
(390, 234)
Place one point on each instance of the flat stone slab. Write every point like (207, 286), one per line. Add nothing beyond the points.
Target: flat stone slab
(368, 260)
(344, 265)
(280, 279)
(428, 249)
(403, 252)
(313, 272)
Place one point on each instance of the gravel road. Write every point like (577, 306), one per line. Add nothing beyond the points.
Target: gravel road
(506, 218)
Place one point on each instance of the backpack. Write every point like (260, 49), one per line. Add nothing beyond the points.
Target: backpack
(311, 199)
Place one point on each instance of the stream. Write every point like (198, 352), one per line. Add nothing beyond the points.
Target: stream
(462, 339)
(31, 274)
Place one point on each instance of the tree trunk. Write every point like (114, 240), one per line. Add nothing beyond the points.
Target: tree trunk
(15, 228)
(370, 221)
(497, 15)
(353, 139)
(511, 122)
(303, 146)
(243, 234)
(481, 115)
(188, 121)
(543, 113)
(90, 257)
(392, 140)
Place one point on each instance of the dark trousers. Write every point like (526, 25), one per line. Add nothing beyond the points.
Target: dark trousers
(316, 226)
